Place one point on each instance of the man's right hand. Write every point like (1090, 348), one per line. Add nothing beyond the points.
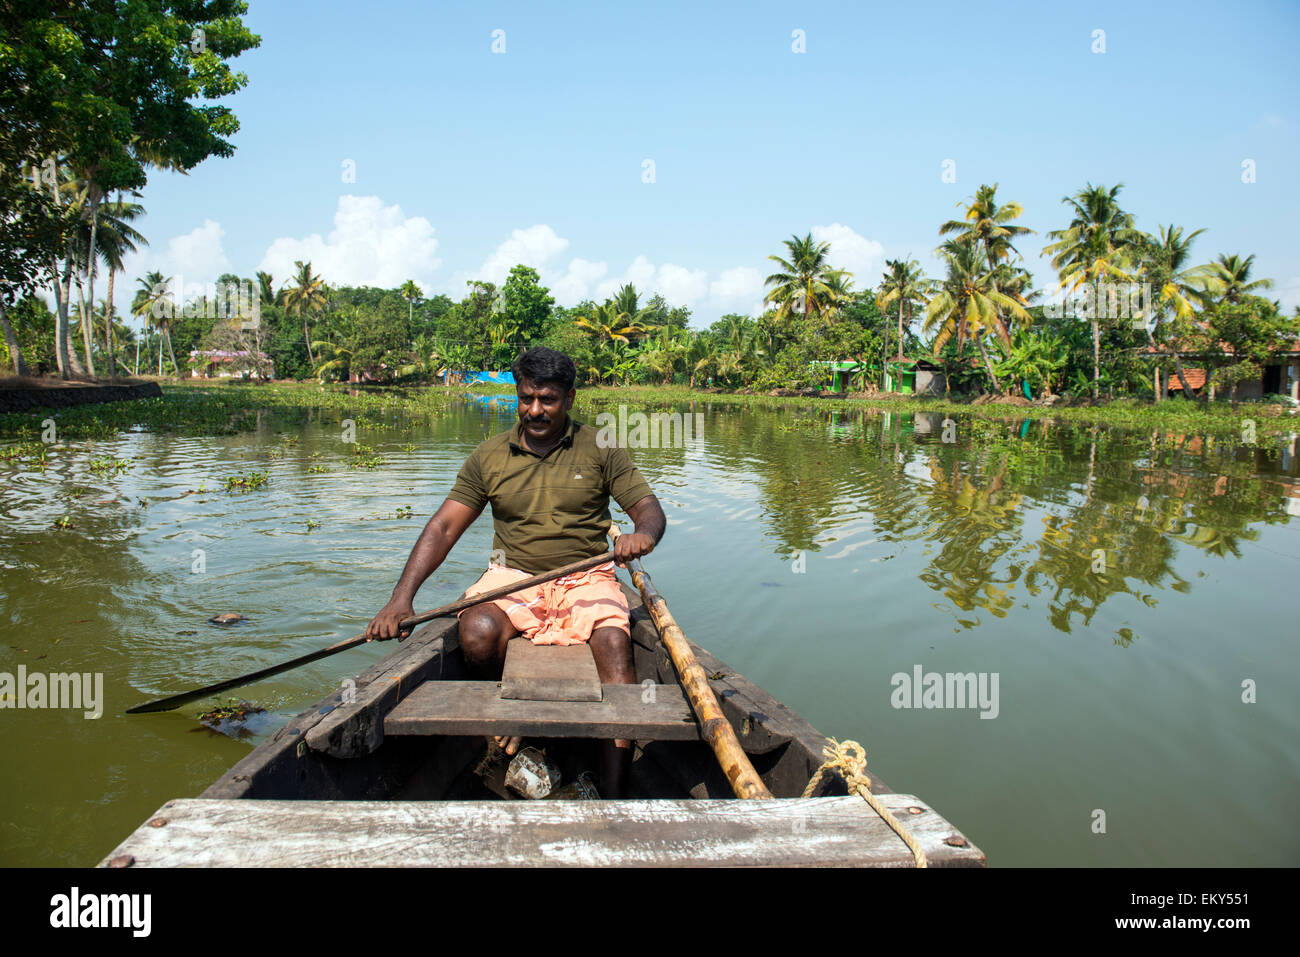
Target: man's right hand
(386, 624)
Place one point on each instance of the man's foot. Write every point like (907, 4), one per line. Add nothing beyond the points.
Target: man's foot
(508, 744)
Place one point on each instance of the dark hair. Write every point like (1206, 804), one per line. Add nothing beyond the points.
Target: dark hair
(542, 365)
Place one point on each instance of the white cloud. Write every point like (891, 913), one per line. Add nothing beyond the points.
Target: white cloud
(193, 261)
(737, 290)
(534, 247)
(371, 245)
(863, 257)
(572, 287)
(640, 273)
(681, 286)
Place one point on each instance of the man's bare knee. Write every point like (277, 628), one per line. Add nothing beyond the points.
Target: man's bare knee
(481, 634)
(612, 649)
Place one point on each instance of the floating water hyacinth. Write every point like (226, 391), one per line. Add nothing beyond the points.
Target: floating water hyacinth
(246, 481)
(109, 466)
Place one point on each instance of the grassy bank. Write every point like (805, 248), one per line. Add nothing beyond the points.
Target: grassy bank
(207, 408)
(1178, 414)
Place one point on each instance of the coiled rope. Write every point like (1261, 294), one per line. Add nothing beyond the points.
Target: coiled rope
(850, 759)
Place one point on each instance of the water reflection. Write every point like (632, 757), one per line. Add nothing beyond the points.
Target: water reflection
(1077, 515)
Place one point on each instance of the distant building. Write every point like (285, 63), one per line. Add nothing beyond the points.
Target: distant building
(1279, 375)
(221, 364)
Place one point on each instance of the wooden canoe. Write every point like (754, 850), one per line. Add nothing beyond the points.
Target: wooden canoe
(389, 770)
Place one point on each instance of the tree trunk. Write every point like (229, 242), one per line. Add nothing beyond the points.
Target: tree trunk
(307, 337)
(900, 327)
(87, 331)
(60, 326)
(988, 364)
(11, 340)
(167, 334)
(1096, 358)
(108, 318)
(1182, 377)
(74, 361)
(87, 327)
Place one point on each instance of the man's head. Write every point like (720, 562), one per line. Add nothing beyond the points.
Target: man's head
(544, 383)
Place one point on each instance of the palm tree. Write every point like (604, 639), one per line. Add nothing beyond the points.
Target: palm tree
(115, 238)
(967, 302)
(989, 225)
(152, 303)
(806, 284)
(340, 360)
(1230, 278)
(904, 282)
(1164, 263)
(266, 289)
(410, 292)
(307, 297)
(1094, 247)
(839, 285)
(607, 325)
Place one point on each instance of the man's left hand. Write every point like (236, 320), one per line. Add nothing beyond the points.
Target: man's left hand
(632, 546)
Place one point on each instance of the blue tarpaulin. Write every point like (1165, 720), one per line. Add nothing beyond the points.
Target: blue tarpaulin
(469, 378)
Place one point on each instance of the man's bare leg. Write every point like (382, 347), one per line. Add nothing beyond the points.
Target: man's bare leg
(612, 649)
(484, 633)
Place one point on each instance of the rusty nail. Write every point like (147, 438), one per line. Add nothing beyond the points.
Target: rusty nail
(158, 822)
(123, 860)
(915, 810)
(955, 841)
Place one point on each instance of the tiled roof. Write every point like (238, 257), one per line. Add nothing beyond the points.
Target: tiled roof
(1195, 379)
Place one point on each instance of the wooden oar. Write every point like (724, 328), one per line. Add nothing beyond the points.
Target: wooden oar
(714, 726)
(176, 700)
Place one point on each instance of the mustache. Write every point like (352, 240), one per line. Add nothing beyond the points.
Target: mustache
(540, 420)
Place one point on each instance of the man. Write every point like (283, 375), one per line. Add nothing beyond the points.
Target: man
(549, 484)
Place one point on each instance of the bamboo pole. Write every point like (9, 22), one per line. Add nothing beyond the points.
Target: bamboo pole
(714, 726)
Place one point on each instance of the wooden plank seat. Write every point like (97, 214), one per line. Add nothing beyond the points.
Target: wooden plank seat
(642, 712)
(790, 832)
(549, 672)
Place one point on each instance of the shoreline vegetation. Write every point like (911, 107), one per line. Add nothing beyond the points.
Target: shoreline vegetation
(206, 408)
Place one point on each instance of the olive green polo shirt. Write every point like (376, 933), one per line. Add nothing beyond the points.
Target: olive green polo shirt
(552, 509)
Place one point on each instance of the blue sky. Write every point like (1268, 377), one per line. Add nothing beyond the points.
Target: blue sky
(467, 161)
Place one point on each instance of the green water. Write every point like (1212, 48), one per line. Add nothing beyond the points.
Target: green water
(819, 554)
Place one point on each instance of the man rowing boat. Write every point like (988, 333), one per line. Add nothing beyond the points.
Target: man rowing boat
(549, 483)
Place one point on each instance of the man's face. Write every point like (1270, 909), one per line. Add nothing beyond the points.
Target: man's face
(541, 409)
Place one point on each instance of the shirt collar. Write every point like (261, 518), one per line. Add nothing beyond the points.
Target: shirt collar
(570, 430)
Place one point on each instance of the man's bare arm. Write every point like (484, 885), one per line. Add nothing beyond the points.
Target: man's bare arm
(439, 535)
(648, 515)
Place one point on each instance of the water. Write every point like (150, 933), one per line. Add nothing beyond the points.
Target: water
(1128, 591)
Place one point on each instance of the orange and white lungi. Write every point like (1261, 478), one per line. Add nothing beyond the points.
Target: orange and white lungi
(564, 611)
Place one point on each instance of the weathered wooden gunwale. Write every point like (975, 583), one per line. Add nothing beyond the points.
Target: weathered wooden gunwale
(810, 832)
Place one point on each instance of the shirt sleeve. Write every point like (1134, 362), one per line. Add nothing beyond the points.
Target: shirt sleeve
(469, 489)
(623, 480)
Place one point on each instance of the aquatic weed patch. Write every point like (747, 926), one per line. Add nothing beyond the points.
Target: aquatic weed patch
(109, 466)
(207, 409)
(246, 481)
